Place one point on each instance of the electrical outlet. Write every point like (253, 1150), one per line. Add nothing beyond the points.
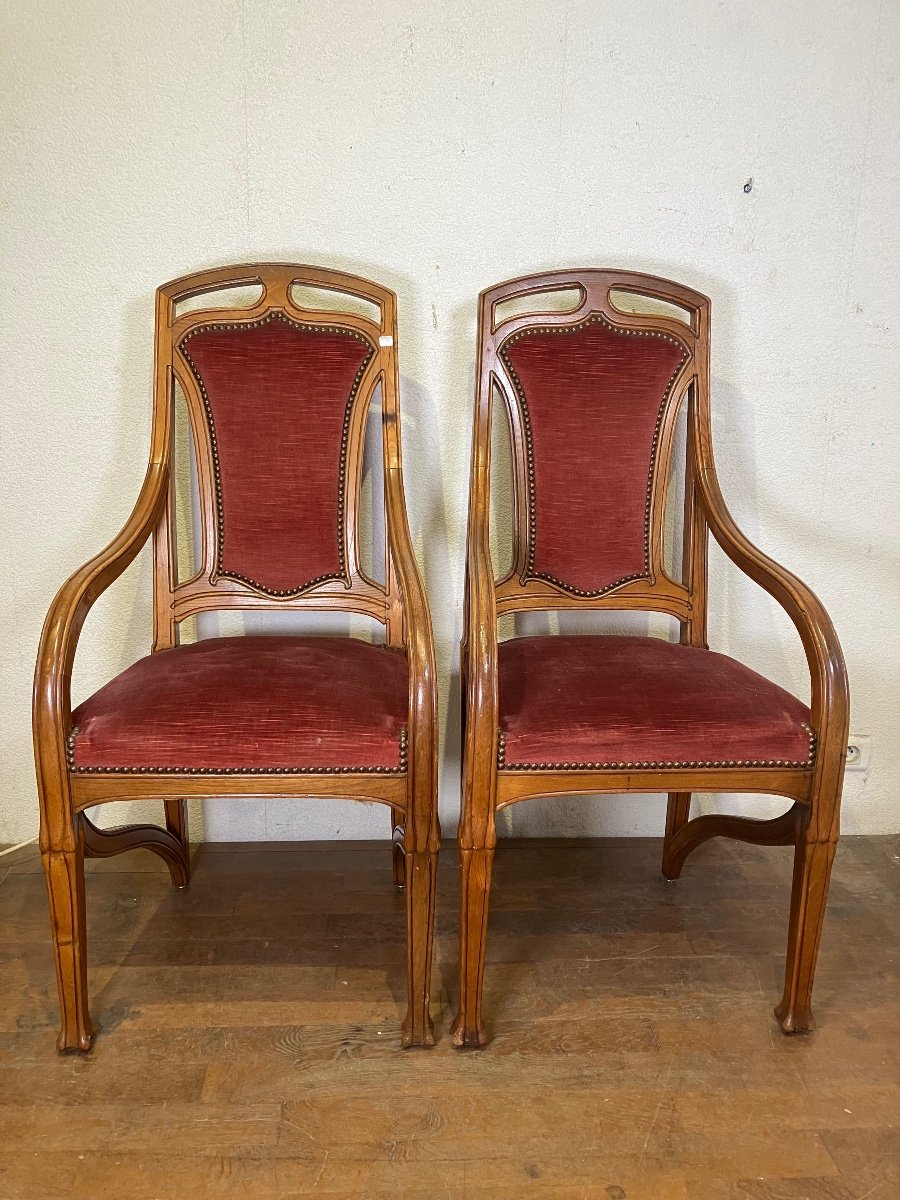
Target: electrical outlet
(859, 752)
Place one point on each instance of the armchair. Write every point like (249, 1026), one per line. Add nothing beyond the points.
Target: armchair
(277, 395)
(592, 395)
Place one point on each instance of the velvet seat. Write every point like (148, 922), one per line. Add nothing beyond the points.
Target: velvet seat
(624, 701)
(249, 704)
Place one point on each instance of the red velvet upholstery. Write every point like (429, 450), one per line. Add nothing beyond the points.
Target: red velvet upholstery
(277, 396)
(249, 703)
(594, 396)
(617, 700)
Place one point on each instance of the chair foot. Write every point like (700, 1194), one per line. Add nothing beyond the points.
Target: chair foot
(77, 1041)
(799, 1020)
(421, 881)
(475, 884)
(64, 873)
(467, 1038)
(416, 1034)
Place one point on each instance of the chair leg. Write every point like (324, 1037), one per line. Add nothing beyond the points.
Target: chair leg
(398, 854)
(476, 868)
(677, 815)
(177, 825)
(64, 872)
(813, 858)
(421, 880)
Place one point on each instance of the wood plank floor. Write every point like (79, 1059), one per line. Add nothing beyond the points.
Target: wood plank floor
(250, 1032)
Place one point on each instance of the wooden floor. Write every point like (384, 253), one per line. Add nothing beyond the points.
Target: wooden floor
(250, 1032)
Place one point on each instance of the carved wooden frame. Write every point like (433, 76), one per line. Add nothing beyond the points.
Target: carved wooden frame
(66, 834)
(811, 824)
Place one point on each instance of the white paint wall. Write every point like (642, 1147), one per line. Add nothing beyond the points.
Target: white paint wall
(439, 149)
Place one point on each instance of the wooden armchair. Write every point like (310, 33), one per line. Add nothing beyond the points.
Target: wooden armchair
(278, 395)
(592, 395)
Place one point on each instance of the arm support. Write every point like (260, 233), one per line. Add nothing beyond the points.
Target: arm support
(480, 639)
(479, 649)
(828, 674)
(52, 704)
(480, 697)
(419, 651)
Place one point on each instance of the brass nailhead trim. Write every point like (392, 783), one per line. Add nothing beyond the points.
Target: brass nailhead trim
(503, 765)
(400, 769)
(593, 319)
(217, 572)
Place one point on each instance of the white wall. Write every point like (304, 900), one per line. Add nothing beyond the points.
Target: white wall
(439, 149)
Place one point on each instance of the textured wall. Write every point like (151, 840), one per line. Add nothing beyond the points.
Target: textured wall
(440, 148)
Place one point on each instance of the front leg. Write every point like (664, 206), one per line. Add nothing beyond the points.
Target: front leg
(421, 886)
(476, 869)
(64, 871)
(813, 858)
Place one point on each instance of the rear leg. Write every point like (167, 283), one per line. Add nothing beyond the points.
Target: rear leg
(398, 853)
(177, 825)
(677, 816)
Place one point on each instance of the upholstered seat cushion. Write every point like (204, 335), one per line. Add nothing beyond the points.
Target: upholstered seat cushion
(248, 704)
(634, 700)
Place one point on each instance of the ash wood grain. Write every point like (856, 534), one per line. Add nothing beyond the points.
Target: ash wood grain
(67, 837)
(813, 824)
(643, 1068)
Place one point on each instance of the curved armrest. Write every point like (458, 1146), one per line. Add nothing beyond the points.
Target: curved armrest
(481, 706)
(828, 673)
(480, 692)
(480, 641)
(52, 706)
(416, 621)
(480, 615)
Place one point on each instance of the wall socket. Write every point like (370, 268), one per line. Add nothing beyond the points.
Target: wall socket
(859, 752)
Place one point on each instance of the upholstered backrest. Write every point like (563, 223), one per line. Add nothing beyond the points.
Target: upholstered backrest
(592, 398)
(592, 393)
(278, 386)
(277, 401)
